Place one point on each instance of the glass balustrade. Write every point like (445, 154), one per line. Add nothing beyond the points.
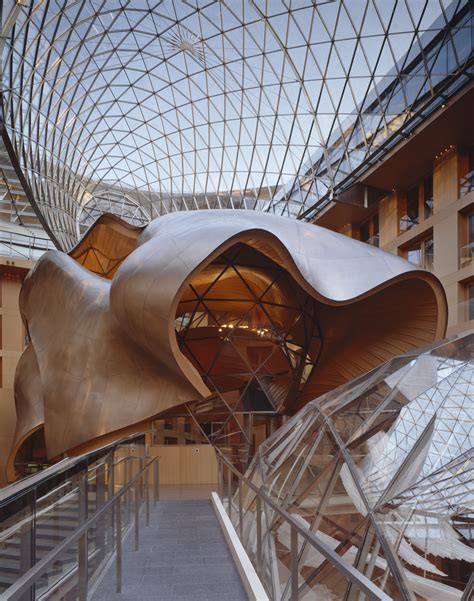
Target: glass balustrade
(40, 516)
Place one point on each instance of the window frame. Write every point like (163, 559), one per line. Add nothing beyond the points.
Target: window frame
(373, 223)
(423, 214)
(421, 244)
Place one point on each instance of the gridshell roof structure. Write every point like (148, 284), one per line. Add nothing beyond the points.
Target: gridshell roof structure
(140, 108)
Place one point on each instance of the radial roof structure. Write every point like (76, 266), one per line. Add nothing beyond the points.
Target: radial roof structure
(146, 107)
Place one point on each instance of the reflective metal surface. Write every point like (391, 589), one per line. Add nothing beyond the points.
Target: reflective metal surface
(107, 350)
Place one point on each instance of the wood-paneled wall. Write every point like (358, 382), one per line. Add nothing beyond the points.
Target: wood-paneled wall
(186, 464)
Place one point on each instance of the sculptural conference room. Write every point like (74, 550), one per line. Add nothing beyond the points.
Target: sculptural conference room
(236, 300)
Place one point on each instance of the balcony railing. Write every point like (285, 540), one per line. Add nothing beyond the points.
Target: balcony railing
(466, 254)
(15, 245)
(466, 183)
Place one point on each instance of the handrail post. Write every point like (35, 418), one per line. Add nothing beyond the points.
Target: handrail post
(118, 554)
(100, 500)
(219, 477)
(156, 482)
(259, 534)
(137, 519)
(28, 544)
(111, 493)
(82, 546)
(294, 564)
(147, 496)
(127, 477)
(229, 492)
(241, 525)
(141, 464)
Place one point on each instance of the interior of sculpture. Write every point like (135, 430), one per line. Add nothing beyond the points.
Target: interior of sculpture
(381, 470)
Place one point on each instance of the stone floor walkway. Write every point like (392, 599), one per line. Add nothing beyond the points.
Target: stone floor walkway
(183, 556)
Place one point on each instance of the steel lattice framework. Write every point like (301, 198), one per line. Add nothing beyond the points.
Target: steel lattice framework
(142, 107)
(381, 471)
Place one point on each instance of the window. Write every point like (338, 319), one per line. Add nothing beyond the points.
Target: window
(375, 235)
(467, 251)
(364, 231)
(471, 301)
(467, 182)
(428, 196)
(170, 440)
(411, 216)
(428, 254)
(467, 298)
(369, 231)
(422, 254)
(414, 255)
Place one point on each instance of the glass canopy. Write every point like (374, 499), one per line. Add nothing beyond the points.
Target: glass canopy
(145, 107)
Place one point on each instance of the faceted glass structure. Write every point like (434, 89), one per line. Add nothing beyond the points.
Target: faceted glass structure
(382, 470)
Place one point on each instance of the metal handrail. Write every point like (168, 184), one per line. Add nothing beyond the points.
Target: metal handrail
(357, 578)
(27, 580)
(17, 489)
(6, 534)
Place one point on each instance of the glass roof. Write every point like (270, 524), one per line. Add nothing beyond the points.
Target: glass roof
(145, 107)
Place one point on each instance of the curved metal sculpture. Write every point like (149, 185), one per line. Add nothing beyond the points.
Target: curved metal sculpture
(252, 307)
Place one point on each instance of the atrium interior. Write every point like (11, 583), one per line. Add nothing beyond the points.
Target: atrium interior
(237, 300)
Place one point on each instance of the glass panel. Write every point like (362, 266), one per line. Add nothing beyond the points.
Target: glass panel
(466, 252)
(375, 237)
(471, 228)
(428, 196)
(471, 301)
(429, 254)
(414, 255)
(33, 523)
(57, 516)
(16, 541)
(467, 182)
(364, 231)
(411, 218)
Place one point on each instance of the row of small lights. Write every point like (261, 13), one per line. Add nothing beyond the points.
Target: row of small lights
(443, 152)
(260, 332)
(438, 156)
